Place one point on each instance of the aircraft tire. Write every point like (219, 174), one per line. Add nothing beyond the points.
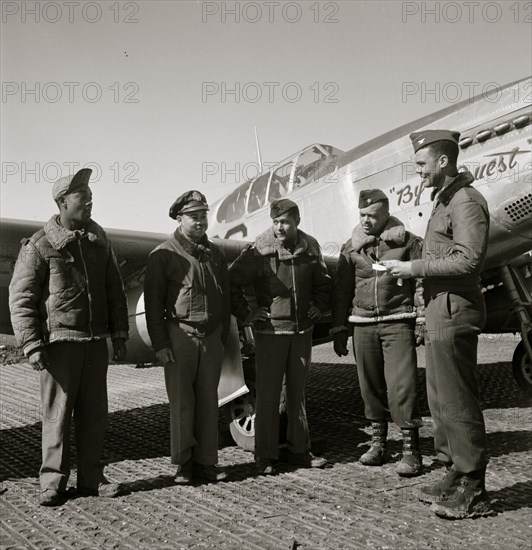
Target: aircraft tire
(522, 368)
(241, 412)
(242, 418)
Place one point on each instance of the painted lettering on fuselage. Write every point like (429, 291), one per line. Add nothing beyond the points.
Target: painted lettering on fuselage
(490, 171)
(500, 162)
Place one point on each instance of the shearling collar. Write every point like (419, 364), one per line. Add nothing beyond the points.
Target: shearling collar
(394, 231)
(194, 249)
(267, 243)
(59, 236)
(451, 186)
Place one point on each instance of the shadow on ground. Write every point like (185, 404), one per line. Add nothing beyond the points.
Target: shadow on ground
(336, 421)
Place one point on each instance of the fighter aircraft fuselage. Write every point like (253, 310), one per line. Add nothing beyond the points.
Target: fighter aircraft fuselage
(495, 147)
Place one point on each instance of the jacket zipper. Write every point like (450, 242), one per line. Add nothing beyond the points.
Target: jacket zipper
(377, 280)
(88, 287)
(203, 268)
(295, 293)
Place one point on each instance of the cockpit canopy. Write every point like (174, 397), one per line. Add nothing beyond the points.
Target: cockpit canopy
(306, 166)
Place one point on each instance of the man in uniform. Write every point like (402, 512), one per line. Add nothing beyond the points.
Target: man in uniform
(453, 256)
(66, 297)
(186, 292)
(384, 316)
(292, 290)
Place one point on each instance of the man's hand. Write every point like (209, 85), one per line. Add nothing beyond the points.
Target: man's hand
(314, 312)
(165, 356)
(261, 313)
(419, 333)
(38, 360)
(340, 343)
(398, 269)
(119, 349)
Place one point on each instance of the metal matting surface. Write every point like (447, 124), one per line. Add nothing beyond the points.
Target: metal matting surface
(346, 505)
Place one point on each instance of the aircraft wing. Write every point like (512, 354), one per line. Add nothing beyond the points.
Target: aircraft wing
(132, 249)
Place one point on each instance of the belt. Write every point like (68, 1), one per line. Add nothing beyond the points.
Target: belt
(198, 329)
(461, 292)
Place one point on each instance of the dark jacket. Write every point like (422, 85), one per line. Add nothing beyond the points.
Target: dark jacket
(286, 283)
(186, 282)
(66, 287)
(363, 295)
(456, 241)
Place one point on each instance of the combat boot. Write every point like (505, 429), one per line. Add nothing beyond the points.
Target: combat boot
(375, 455)
(441, 490)
(469, 500)
(411, 462)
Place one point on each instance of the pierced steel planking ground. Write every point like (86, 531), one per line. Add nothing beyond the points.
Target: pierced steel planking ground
(346, 505)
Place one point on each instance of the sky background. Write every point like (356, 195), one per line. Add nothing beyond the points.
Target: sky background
(141, 91)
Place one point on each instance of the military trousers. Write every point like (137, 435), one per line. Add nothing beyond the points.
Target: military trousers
(276, 356)
(192, 388)
(386, 363)
(453, 323)
(73, 384)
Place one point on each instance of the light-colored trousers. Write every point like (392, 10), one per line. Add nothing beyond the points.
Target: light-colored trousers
(74, 382)
(275, 356)
(192, 388)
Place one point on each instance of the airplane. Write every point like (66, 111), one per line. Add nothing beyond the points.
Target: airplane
(495, 146)
(325, 181)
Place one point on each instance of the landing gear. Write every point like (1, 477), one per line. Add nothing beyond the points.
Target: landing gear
(242, 412)
(519, 289)
(522, 368)
(242, 409)
(242, 423)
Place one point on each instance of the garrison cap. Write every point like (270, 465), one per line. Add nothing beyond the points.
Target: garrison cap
(191, 201)
(72, 183)
(371, 196)
(426, 137)
(278, 207)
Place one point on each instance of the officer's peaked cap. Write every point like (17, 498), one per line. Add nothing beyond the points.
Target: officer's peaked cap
(191, 201)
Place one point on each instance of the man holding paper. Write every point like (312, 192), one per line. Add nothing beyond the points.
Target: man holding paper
(453, 257)
(383, 311)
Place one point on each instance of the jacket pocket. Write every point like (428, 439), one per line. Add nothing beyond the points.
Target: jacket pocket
(281, 307)
(68, 294)
(448, 305)
(66, 281)
(183, 303)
